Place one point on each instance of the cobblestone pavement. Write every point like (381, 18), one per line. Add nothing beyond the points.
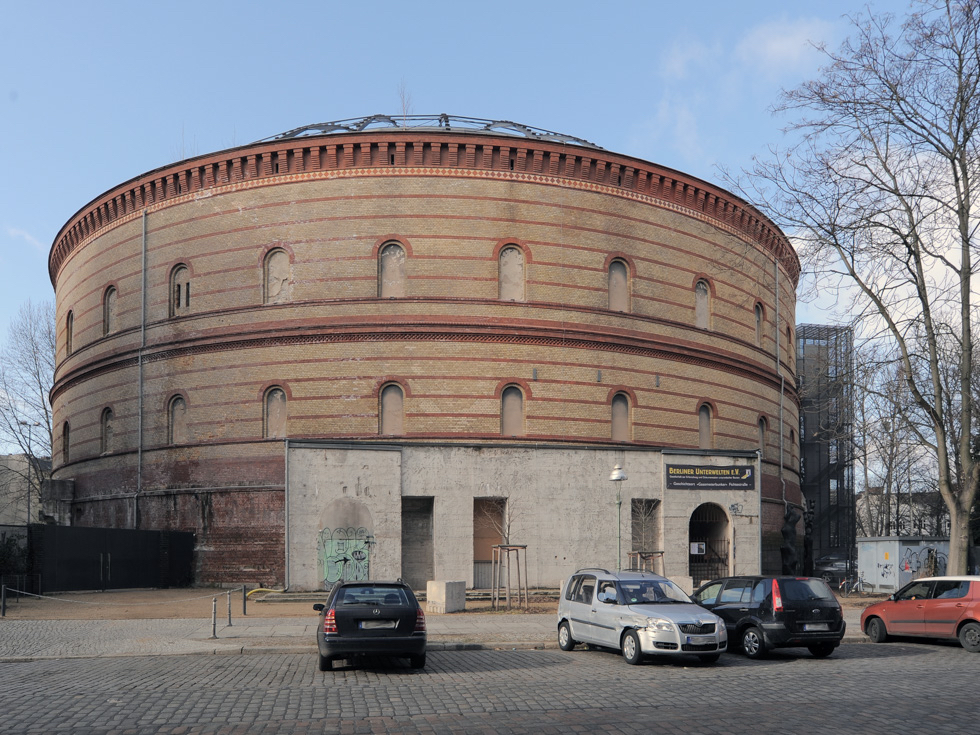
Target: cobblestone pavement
(861, 689)
(26, 639)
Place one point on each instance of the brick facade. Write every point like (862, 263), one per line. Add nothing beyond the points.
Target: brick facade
(452, 201)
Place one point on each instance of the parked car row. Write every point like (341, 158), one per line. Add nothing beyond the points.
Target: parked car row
(643, 614)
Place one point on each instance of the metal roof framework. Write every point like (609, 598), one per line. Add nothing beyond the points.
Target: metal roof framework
(443, 123)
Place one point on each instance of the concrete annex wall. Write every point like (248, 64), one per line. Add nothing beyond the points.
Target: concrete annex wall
(562, 505)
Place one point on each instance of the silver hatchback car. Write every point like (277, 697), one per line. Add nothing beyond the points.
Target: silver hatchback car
(637, 613)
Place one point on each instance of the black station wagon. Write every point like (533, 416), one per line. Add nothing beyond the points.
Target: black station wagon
(370, 618)
(763, 613)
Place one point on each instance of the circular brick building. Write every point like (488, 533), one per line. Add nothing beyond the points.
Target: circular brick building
(381, 347)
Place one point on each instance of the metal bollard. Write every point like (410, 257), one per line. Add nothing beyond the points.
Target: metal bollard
(244, 600)
(214, 617)
(229, 608)
(3, 601)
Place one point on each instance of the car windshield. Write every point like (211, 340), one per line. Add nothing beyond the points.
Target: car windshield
(377, 595)
(805, 589)
(650, 591)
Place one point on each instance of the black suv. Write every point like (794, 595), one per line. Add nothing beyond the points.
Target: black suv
(762, 613)
(374, 618)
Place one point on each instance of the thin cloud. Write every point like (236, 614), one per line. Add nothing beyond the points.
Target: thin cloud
(782, 46)
(28, 238)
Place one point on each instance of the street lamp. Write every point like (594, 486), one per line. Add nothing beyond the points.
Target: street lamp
(30, 460)
(618, 475)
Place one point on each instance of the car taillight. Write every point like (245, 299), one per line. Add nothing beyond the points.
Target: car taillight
(777, 598)
(329, 622)
(419, 621)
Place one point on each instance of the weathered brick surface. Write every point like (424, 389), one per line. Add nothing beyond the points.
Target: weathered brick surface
(449, 341)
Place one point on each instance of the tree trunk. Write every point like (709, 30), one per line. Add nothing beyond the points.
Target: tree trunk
(959, 541)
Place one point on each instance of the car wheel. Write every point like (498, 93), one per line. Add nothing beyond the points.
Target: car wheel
(970, 637)
(324, 663)
(417, 662)
(753, 644)
(631, 647)
(709, 658)
(821, 650)
(565, 641)
(876, 630)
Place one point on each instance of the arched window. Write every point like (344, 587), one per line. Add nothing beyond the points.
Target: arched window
(392, 417)
(704, 427)
(510, 274)
(69, 332)
(105, 445)
(763, 429)
(759, 318)
(620, 418)
(619, 286)
(180, 291)
(274, 419)
(391, 272)
(276, 277)
(702, 305)
(177, 421)
(65, 442)
(512, 411)
(109, 311)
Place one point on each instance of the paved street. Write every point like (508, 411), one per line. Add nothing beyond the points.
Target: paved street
(861, 689)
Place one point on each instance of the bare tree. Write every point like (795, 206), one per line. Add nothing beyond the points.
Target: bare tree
(404, 100)
(880, 194)
(26, 376)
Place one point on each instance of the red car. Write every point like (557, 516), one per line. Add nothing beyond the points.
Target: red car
(932, 607)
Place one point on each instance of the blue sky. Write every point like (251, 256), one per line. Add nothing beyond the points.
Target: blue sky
(94, 93)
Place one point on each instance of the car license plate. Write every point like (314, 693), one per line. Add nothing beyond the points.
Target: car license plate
(815, 626)
(700, 640)
(377, 624)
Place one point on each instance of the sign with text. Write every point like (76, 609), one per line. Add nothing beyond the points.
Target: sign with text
(706, 477)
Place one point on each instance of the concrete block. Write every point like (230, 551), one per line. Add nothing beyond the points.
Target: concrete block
(445, 597)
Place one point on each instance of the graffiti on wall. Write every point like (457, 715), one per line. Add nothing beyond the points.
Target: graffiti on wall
(343, 554)
(924, 562)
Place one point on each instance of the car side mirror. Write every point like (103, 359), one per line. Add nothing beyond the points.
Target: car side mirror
(891, 597)
(319, 607)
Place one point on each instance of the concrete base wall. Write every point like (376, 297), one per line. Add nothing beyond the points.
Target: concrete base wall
(344, 509)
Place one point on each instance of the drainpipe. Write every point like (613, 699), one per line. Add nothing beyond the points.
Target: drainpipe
(285, 492)
(139, 407)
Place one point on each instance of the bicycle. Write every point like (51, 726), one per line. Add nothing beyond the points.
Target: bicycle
(849, 585)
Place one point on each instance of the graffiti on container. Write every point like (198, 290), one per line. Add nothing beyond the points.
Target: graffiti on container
(343, 554)
(924, 562)
(886, 570)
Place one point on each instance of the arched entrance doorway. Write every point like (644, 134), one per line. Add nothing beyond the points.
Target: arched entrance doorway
(708, 543)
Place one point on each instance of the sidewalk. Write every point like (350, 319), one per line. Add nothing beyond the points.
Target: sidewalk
(22, 639)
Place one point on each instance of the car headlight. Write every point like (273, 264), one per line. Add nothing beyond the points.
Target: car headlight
(722, 630)
(660, 624)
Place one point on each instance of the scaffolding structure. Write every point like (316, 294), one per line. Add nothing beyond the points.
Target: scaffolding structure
(825, 374)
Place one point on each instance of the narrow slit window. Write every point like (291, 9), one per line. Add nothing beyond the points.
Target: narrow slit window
(704, 427)
(392, 411)
(619, 297)
(512, 412)
(511, 274)
(620, 418)
(391, 272)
